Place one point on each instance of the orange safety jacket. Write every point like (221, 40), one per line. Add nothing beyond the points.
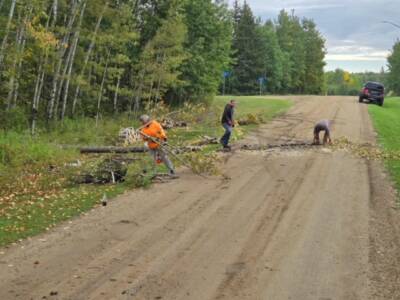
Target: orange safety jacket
(153, 129)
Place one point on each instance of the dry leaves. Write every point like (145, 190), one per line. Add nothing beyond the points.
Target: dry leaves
(365, 150)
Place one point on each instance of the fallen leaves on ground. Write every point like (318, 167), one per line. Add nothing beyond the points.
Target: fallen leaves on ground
(365, 150)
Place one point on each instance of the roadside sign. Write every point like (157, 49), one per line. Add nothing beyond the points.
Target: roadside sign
(227, 74)
(262, 80)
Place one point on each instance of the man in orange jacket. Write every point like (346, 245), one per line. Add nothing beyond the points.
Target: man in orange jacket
(154, 136)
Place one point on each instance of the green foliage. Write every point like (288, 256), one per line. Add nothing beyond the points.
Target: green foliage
(208, 45)
(14, 118)
(21, 149)
(289, 53)
(248, 53)
(340, 82)
(69, 59)
(394, 69)
(314, 59)
(162, 57)
(273, 58)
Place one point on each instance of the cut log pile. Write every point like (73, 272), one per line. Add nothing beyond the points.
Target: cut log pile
(170, 123)
(128, 136)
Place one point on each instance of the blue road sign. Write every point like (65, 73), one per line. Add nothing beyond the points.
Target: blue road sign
(262, 80)
(227, 74)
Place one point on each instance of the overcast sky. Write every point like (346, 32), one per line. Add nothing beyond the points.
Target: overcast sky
(356, 38)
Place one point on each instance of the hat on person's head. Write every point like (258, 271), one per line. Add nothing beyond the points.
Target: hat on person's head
(144, 118)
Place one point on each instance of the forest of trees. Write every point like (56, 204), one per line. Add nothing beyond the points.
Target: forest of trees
(341, 82)
(71, 58)
(285, 55)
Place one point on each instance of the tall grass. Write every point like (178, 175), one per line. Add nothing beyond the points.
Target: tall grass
(21, 149)
(386, 121)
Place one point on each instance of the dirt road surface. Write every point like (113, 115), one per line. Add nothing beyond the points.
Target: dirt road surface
(290, 224)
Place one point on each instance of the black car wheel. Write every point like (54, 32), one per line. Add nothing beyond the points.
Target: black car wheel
(380, 102)
(360, 99)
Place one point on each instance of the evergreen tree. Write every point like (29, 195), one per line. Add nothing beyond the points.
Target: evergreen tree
(314, 58)
(283, 32)
(248, 53)
(291, 40)
(162, 58)
(273, 58)
(208, 45)
(394, 69)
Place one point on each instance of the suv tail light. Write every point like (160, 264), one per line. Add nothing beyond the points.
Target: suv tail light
(365, 91)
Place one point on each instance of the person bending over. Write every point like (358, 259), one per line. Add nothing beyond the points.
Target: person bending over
(325, 126)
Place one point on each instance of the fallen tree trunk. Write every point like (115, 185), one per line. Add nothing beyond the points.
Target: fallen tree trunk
(257, 147)
(111, 149)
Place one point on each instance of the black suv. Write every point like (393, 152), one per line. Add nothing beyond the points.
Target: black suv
(373, 92)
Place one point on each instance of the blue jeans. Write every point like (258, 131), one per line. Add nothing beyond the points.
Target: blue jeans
(227, 135)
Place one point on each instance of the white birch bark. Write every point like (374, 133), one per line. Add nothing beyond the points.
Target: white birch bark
(87, 57)
(101, 89)
(7, 31)
(71, 62)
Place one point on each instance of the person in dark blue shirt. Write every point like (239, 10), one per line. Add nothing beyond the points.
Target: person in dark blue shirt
(228, 123)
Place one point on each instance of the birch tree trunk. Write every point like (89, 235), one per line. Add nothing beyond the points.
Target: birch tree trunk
(138, 95)
(7, 31)
(88, 54)
(116, 95)
(43, 61)
(71, 62)
(11, 83)
(158, 96)
(21, 42)
(62, 50)
(19, 69)
(101, 89)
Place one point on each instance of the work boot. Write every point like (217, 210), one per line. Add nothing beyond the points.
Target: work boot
(227, 148)
(172, 174)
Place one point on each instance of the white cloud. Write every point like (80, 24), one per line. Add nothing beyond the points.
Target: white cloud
(353, 29)
(274, 6)
(353, 57)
